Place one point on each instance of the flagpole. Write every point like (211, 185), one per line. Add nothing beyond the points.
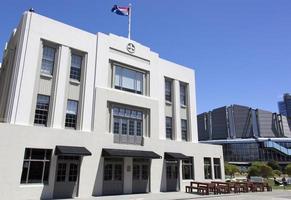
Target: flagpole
(129, 20)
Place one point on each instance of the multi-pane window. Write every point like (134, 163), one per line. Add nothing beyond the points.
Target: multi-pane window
(42, 110)
(48, 60)
(76, 64)
(71, 114)
(168, 90)
(136, 172)
(187, 169)
(129, 80)
(184, 129)
(169, 128)
(61, 172)
(183, 94)
(36, 166)
(127, 121)
(217, 168)
(207, 168)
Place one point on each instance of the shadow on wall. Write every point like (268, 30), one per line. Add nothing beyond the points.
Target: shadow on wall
(97, 190)
(163, 186)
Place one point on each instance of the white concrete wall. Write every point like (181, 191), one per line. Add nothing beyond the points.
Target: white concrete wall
(94, 132)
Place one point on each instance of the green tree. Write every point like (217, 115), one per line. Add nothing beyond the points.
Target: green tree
(277, 172)
(260, 169)
(288, 169)
(230, 169)
(274, 165)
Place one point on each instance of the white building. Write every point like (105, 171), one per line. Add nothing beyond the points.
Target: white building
(93, 114)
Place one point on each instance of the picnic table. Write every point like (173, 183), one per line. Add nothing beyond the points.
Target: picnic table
(201, 187)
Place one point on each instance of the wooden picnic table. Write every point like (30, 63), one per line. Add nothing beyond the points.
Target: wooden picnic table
(203, 188)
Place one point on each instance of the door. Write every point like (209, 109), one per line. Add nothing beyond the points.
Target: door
(140, 176)
(172, 170)
(67, 177)
(113, 176)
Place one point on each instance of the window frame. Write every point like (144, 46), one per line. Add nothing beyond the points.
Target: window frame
(144, 82)
(184, 130)
(170, 99)
(191, 165)
(169, 128)
(207, 168)
(183, 96)
(117, 119)
(46, 161)
(217, 168)
(76, 115)
(52, 46)
(81, 55)
(47, 114)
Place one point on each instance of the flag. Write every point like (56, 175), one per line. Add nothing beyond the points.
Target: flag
(124, 11)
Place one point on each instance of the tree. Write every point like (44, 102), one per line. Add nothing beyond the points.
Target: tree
(288, 169)
(230, 169)
(277, 172)
(260, 169)
(274, 165)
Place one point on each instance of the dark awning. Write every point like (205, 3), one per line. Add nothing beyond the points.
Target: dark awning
(72, 151)
(129, 153)
(175, 156)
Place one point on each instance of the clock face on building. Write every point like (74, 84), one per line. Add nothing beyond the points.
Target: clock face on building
(130, 48)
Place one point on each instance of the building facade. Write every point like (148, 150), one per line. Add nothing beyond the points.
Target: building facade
(93, 114)
(247, 134)
(285, 107)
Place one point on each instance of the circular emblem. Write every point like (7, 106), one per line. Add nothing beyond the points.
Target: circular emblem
(130, 48)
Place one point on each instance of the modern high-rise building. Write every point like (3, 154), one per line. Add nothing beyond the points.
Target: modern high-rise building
(87, 114)
(246, 134)
(285, 107)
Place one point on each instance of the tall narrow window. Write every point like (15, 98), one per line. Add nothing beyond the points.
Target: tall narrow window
(184, 130)
(76, 64)
(217, 168)
(168, 90)
(48, 60)
(42, 110)
(183, 94)
(129, 80)
(169, 128)
(71, 114)
(207, 168)
(187, 169)
(36, 166)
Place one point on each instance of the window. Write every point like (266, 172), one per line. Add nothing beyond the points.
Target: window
(169, 129)
(48, 60)
(127, 121)
(42, 110)
(108, 172)
(76, 64)
(184, 130)
(187, 169)
(71, 114)
(129, 80)
(217, 168)
(183, 94)
(168, 90)
(207, 168)
(135, 172)
(61, 172)
(145, 172)
(36, 166)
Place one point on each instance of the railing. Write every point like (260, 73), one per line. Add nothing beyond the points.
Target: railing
(274, 145)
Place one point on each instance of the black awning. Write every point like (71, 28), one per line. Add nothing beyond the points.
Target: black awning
(72, 151)
(129, 153)
(175, 156)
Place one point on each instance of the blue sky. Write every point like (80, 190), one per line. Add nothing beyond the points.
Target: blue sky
(240, 49)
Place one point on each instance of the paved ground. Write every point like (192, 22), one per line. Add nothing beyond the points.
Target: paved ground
(275, 195)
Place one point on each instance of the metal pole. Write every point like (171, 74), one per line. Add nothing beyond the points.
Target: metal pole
(129, 20)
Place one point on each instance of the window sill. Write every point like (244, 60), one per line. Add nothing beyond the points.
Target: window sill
(24, 185)
(46, 76)
(168, 103)
(74, 82)
(183, 106)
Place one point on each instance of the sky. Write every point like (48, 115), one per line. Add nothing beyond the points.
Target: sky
(239, 49)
